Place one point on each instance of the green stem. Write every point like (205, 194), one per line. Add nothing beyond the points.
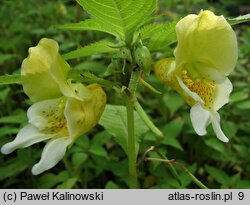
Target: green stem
(170, 166)
(134, 80)
(196, 181)
(132, 155)
(131, 144)
(143, 82)
(146, 120)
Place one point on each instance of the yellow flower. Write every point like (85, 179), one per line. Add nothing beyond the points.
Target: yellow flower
(205, 54)
(62, 111)
(44, 74)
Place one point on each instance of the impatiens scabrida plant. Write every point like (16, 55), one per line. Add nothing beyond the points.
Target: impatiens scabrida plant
(68, 103)
(206, 53)
(62, 111)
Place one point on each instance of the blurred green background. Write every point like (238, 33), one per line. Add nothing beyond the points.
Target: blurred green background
(96, 160)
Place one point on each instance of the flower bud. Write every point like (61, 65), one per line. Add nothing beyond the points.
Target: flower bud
(143, 58)
(126, 54)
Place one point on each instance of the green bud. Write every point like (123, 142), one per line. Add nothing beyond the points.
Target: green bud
(143, 58)
(126, 54)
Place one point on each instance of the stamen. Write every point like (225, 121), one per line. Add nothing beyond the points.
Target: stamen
(184, 72)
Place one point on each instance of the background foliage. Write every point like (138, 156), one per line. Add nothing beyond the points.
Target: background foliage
(96, 160)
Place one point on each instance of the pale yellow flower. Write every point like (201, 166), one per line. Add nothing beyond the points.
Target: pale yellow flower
(205, 54)
(62, 111)
(44, 74)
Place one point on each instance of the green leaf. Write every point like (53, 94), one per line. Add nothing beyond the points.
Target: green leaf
(83, 142)
(12, 169)
(171, 132)
(243, 184)
(10, 79)
(88, 77)
(230, 129)
(92, 66)
(242, 151)
(47, 181)
(111, 185)
(239, 19)
(114, 120)
(218, 175)
(173, 128)
(172, 142)
(68, 184)
(244, 105)
(90, 24)
(101, 138)
(4, 93)
(19, 117)
(173, 101)
(8, 130)
(92, 49)
(98, 150)
(213, 143)
(121, 16)
(157, 36)
(239, 96)
(119, 167)
(5, 57)
(79, 158)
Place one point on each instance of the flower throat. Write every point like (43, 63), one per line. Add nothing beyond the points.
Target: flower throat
(204, 88)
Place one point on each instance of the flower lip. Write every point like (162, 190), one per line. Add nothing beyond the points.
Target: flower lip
(48, 115)
(27, 136)
(52, 153)
(200, 119)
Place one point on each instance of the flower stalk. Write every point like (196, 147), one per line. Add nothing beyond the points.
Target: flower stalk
(132, 155)
(146, 120)
(173, 161)
(131, 145)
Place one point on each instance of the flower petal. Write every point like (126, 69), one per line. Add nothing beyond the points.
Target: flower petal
(84, 115)
(215, 119)
(222, 92)
(26, 136)
(40, 57)
(196, 97)
(47, 114)
(36, 79)
(200, 119)
(52, 153)
(81, 92)
(209, 73)
(59, 71)
(208, 39)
